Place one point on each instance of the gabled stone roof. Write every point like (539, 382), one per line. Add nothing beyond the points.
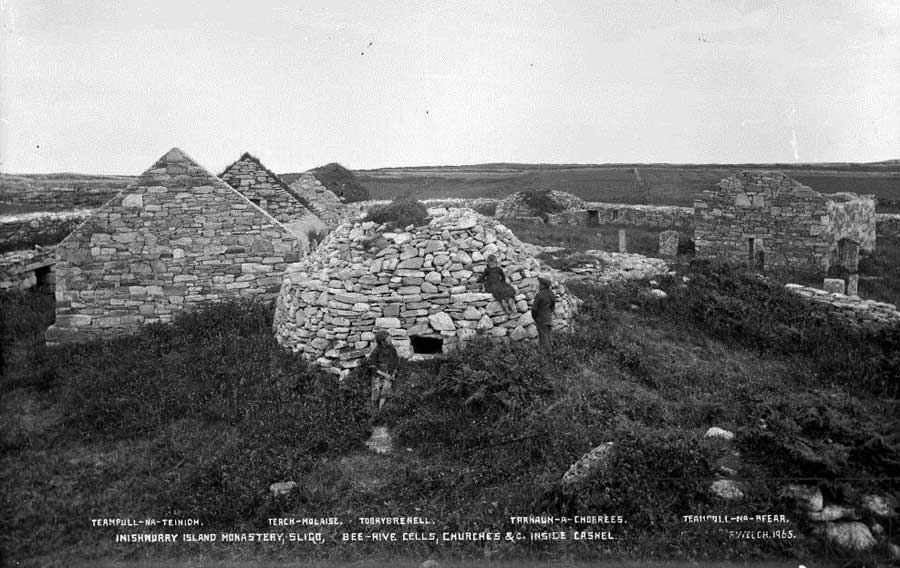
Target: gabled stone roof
(176, 237)
(247, 158)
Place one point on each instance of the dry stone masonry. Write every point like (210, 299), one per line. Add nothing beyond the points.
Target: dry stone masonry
(24, 269)
(851, 311)
(177, 237)
(599, 213)
(768, 219)
(270, 193)
(24, 228)
(321, 201)
(419, 284)
(518, 205)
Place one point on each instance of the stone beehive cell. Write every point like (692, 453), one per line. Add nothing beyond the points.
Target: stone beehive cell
(421, 285)
(517, 205)
(177, 237)
(321, 201)
(769, 216)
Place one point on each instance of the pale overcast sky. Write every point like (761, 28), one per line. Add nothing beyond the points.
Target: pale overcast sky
(109, 86)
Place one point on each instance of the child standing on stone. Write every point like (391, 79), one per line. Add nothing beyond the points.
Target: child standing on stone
(495, 283)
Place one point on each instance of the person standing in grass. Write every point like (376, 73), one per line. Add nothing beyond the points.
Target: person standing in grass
(495, 283)
(381, 368)
(542, 312)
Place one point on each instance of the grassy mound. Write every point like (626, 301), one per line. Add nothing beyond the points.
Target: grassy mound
(342, 182)
(402, 212)
(541, 202)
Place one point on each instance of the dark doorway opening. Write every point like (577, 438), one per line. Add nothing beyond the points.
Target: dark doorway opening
(615, 215)
(42, 278)
(593, 217)
(424, 345)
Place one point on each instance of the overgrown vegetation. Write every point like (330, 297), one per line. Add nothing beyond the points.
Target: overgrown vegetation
(402, 212)
(42, 238)
(541, 202)
(197, 419)
(342, 182)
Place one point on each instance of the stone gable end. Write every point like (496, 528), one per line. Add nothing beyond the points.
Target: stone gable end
(175, 238)
(258, 184)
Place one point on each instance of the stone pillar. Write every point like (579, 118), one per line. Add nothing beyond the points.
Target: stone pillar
(853, 285)
(623, 245)
(834, 285)
(668, 244)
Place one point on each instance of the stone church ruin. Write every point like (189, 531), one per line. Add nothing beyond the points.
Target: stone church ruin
(268, 192)
(176, 237)
(766, 219)
(420, 284)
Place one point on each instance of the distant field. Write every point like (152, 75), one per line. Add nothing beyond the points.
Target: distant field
(639, 184)
(656, 184)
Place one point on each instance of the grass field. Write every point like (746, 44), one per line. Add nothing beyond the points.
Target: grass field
(197, 419)
(638, 184)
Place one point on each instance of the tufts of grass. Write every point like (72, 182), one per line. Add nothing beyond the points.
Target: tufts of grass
(401, 212)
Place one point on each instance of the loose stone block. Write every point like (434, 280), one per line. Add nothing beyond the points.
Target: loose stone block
(834, 285)
(668, 244)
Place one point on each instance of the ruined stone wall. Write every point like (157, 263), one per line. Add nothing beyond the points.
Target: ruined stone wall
(20, 270)
(39, 227)
(422, 283)
(323, 203)
(850, 311)
(888, 224)
(788, 222)
(177, 238)
(598, 213)
(852, 217)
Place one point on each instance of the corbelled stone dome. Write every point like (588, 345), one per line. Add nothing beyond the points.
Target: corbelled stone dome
(537, 204)
(420, 284)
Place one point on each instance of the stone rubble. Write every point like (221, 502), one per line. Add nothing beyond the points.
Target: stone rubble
(420, 282)
(591, 463)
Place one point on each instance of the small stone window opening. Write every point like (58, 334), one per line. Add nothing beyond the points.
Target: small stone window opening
(615, 214)
(256, 202)
(424, 345)
(757, 257)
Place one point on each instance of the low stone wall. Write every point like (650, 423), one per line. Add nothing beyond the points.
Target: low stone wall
(887, 224)
(851, 311)
(39, 227)
(598, 213)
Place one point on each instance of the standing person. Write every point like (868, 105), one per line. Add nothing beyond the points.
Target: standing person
(381, 367)
(542, 313)
(495, 283)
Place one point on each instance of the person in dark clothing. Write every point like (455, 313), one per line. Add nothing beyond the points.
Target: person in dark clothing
(542, 313)
(495, 283)
(381, 368)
